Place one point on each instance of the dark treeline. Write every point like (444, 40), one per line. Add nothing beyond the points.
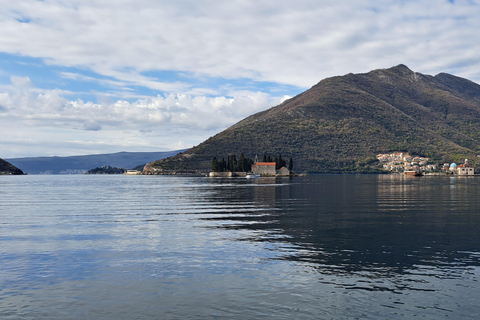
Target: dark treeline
(244, 164)
(232, 164)
(107, 170)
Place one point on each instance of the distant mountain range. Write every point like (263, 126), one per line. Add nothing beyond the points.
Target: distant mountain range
(8, 168)
(341, 123)
(79, 164)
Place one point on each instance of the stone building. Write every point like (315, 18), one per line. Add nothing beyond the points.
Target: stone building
(465, 169)
(283, 171)
(264, 168)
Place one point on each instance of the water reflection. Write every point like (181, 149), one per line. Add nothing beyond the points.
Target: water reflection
(329, 247)
(374, 226)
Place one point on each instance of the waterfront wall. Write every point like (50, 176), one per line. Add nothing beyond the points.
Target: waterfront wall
(227, 174)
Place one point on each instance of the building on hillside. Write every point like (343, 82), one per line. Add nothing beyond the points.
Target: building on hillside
(465, 169)
(400, 162)
(446, 167)
(264, 168)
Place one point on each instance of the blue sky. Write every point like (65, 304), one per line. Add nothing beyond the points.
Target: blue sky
(86, 76)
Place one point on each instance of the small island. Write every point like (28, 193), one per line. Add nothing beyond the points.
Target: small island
(246, 167)
(106, 170)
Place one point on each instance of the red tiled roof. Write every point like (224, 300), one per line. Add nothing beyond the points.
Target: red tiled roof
(265, 163)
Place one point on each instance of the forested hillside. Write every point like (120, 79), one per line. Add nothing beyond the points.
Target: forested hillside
(340, 124)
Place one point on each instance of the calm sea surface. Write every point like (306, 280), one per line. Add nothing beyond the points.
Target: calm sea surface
(318, 247)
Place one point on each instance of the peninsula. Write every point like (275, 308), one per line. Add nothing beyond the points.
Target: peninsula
(8, 168)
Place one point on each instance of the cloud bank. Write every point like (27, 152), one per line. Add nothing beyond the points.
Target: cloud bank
(296, 43)
(155, 123)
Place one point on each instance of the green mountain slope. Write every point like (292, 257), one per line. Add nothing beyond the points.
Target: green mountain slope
(8, 168)
(340, 124)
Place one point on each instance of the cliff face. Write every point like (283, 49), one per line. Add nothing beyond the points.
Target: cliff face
(340, 124)
(8, 168)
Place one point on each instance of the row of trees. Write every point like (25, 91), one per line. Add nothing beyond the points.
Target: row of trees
(244, 164)
(232, 164)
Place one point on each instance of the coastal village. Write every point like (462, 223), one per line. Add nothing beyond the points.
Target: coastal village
(399, 162)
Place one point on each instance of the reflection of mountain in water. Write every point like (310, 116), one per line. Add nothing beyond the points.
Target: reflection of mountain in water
(383, 225)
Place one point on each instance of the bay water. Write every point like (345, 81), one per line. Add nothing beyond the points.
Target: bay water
(167, 247)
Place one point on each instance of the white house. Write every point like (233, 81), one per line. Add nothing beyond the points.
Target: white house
(465, 169)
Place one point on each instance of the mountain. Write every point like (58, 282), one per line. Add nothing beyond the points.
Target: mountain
(78, 164)
(8, 168)
(341, 123)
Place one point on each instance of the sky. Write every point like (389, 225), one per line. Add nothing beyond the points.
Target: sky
(88, 77)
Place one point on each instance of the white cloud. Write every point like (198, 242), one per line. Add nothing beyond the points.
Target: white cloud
(296, 43)
(21, 82)
(92, 125)
(44, 119)
(80, 77)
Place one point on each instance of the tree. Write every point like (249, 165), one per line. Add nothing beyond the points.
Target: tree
(223, 165)
(215, 165)
(248, 165)
(234, 163)
(242, 163)
(279, 162)
(290, 164)
(229, 164)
